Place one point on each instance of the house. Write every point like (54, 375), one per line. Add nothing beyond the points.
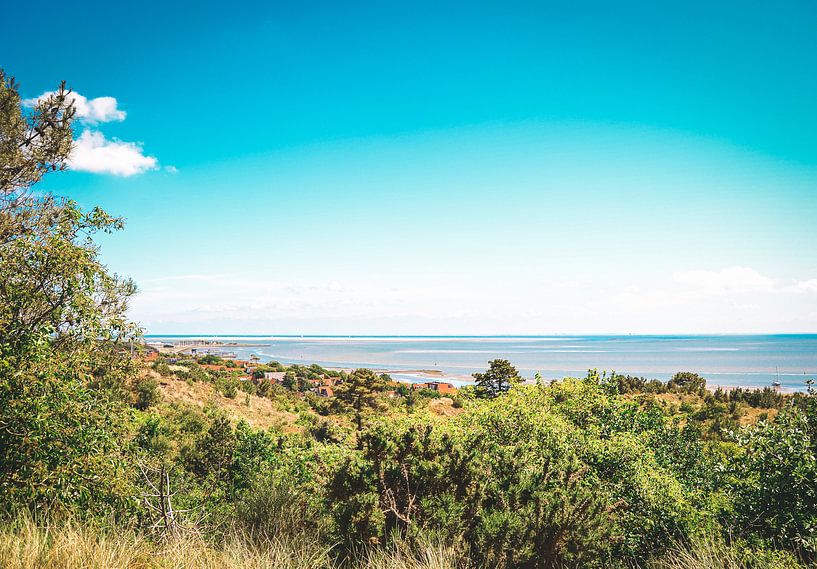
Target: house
(326, 391)
(438, 386)
(276, 376)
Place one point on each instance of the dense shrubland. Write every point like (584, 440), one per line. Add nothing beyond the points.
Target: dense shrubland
(98, 469)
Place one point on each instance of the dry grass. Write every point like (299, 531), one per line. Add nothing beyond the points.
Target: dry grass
(751, 416)
(707, 554)
(444, 407)
(27, 545)
(424, 556)
(69, 546)
(261, 413)
(712, 553)
(239, 553)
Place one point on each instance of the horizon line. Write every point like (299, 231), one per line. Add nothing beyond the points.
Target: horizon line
(565, 335)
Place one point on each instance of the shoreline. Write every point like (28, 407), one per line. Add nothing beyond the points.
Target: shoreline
(728, 362)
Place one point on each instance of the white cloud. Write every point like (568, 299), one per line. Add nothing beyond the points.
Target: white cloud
(93, 152)
(728, 280)
(264, 302)
(807, 286)
(89, 111)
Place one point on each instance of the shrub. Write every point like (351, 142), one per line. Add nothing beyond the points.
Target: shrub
(774, 481)
(146, 393)
(230, 388)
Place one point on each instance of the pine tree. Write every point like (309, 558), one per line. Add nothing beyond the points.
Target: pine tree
(358, 392)
(497, 379)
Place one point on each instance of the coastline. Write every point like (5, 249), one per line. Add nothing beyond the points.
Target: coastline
(726, 361)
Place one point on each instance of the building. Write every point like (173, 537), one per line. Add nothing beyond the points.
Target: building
(326, 391)
(276, 376)
(438, 386)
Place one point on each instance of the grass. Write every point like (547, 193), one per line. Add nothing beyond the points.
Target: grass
(711, 553)
(424, 556)
(25, 544)
(262, 413)
(69, 545)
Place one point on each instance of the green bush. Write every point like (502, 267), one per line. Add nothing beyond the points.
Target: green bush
(146, 393)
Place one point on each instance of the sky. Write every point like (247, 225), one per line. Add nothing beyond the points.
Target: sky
(443, 167)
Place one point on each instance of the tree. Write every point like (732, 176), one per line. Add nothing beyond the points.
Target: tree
(497, 379)
(212, 454)
(688, 382)
(31, 144)
(64, 335)
(358, 392)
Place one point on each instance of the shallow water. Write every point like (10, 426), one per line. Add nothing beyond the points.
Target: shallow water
(752, 361)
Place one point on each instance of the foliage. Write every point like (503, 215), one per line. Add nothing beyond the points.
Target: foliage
(64, 336)
(60, 446)
(146, 390)
(687, 382)
(31, 143)
(775, 480)
(603, 471)
(498, 379)
(359, 390)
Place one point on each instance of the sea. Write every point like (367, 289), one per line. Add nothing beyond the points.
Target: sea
(724, 360)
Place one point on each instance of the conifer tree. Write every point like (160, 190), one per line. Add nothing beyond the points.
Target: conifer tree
(498, 379)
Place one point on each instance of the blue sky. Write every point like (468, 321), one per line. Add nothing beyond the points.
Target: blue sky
(444, 168)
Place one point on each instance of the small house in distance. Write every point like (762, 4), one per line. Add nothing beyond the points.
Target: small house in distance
(438, 386)
(276, 376)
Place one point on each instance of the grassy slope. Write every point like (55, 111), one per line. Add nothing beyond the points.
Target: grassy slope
(259, 412)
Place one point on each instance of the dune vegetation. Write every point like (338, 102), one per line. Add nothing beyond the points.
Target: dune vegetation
(112, 457)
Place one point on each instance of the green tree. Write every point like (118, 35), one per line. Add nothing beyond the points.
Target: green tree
(212, 454)
(31, 144)
(358, 392)
(498, 379)
(687, 382)
(64, 335)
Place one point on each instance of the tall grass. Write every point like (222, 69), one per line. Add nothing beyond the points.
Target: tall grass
(239, 553)
(26, 545)
(399, 555)
(70, 545)
(708, 552)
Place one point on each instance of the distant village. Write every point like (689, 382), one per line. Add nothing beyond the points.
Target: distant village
(323, 383)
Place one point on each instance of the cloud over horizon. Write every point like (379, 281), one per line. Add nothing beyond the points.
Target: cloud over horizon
(730, 300)
(727, 280)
